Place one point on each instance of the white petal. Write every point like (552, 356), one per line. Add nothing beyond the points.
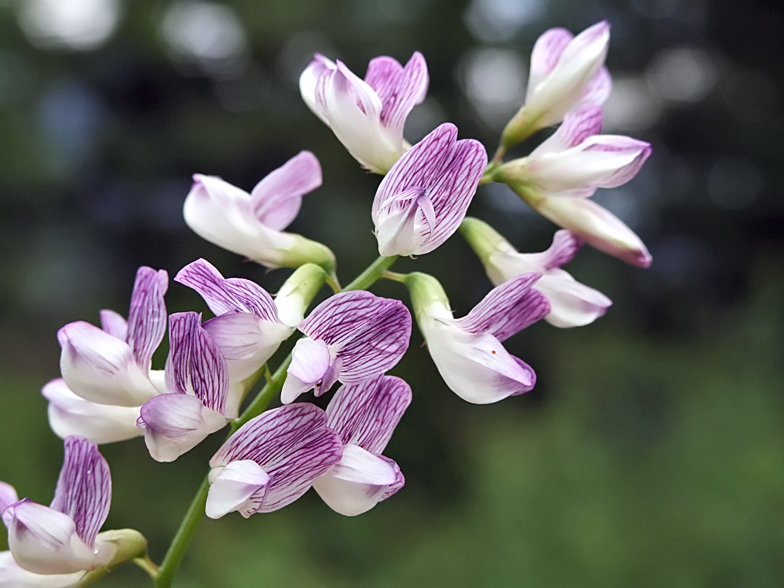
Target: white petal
(310, 361)
(14, 576)
(101, 368)
(44, 541)
(356, 483)
(308, 80)
(70, 414)
(572, 304)
(233, 488)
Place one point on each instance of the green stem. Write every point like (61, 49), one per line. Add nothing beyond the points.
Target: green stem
(395, 277)
(373, 272)
(148, 566)
(182, 539)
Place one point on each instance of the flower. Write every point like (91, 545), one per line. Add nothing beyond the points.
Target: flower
(62, 538)
(468, 351)
(572, 304)
(252, 224)
(351, 337)
(364, 415)
(566, 73)
(112, 365)
(421, 201)
(569, 166)
(367, 116)
(197, 380)
(271, 461)
(576, 160)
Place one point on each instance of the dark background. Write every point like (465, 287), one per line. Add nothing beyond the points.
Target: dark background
(651, 452)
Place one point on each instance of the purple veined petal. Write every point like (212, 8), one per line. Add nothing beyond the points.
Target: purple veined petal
(545, 55)
(246, 341)
(308, 81)
(227, 295)
(475, 367)
(507, 309)
(276, 199)
(405, 223)
(563, 249)
(292, 444)
(12, 575)
(310, 361)
(596, 226)
(400, 89)
(453, 192)
(101, 368)
(44, 540)
(70, 414)
(8, 495)
(175, 423)
(240, 485)
(356, 483)
(366, 414)
(576, 127)
(147, 315)
(84, 488)
(420, 167)
(597, 91)
(400, 480)
(114, 324)
(572, 304)
(195, 364)
(371, 332)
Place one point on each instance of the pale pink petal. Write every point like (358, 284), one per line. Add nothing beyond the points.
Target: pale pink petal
(576, 127)
(277, 198)
(12, 575)
(114, 324)
(563, 249)
(572, 304)
(400, 89)
(308, 81)
(597, 91)
(545, 55)
(310, 361)
(7, 495)
(367, 413)
(240, 485)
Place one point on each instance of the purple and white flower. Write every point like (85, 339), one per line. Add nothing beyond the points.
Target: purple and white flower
(569, 166)
(367, 116)
(576, 159)
(252, 224)
(62, 539)
(112, 365)
(271, 461)
(351, 337)
(421, 201)
(364, 415)
(572, 304)
(197, 380)
(566, 73)
(468, 351)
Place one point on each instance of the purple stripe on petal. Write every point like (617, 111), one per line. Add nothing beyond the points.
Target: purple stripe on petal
(276, 199)
(507, 309)
(563, 249)
(367, 413)
(147, 316)
(383, 75)
(546, 53)
(195, 364)
(84, 489)
(408, 89)
(400, 480)
(577, 126)
(292, 444)
(337, 318)
(378, 345)
(114, 324)
(224, 295)
(597, 91)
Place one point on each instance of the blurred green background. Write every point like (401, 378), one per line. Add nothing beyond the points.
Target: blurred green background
(651, 452)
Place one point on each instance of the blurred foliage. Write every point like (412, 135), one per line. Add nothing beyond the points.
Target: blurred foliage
(651, 452)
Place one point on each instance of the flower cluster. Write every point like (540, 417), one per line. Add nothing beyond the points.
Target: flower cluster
(110, 392)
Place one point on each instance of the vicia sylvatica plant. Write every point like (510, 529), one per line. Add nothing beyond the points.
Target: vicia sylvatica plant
(109, 391)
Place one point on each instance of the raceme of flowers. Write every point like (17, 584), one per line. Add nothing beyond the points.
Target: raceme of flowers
(109, 390)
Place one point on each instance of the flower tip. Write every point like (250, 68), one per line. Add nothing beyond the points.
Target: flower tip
(643, 259)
